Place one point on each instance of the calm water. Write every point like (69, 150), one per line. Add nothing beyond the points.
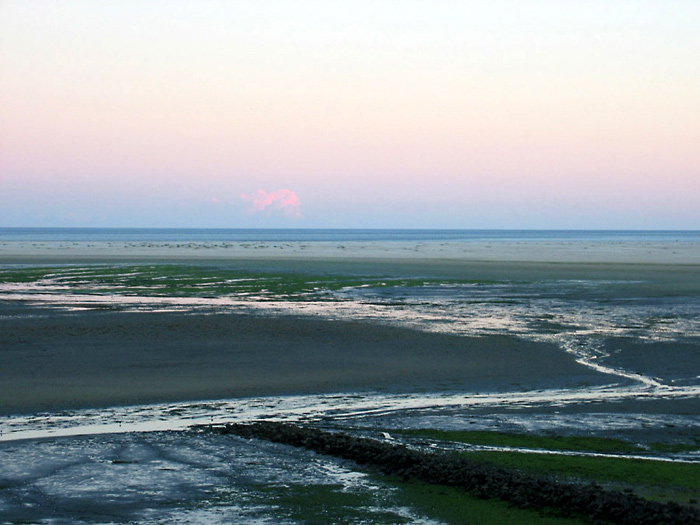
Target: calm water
(333, 235)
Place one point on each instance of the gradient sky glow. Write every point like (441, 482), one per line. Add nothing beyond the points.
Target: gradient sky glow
(413, 114)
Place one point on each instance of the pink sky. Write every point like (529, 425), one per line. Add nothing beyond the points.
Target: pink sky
(267, 202)
(464, 115)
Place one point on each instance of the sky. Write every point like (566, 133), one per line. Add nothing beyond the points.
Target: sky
(350, 114)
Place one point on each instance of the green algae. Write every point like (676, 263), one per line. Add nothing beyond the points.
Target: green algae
(544, 442)
(454, 506)
(385, 502)
(165, 280)
(660, 480)
(649, 478)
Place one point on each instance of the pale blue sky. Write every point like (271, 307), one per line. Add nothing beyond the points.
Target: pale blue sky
(499, 114)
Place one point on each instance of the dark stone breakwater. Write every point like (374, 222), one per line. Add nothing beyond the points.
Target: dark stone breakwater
(483, 481)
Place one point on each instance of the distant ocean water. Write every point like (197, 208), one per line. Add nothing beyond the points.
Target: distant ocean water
(335, 235)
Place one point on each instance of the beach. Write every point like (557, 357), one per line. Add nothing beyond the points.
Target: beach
(91, 356)
(587, 251)
(111, 351)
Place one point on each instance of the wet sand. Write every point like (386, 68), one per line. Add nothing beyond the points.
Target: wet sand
(52, 359)
(56, 356)
(101, 358)
(586, 252)
(671, 267)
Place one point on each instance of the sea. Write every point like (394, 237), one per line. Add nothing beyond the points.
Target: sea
(144, 464)
(334, 235)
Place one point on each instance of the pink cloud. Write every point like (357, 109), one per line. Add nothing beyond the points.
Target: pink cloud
(284, 200)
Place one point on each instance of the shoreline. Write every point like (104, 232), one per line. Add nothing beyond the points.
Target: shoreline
(53, 358)
(498, 251)
(662, 274)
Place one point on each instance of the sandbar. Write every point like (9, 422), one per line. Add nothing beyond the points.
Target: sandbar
(671, 267)
(555, 251)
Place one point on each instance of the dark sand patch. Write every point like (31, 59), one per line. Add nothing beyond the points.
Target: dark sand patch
(99, 358)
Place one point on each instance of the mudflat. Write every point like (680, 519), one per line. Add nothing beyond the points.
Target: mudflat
(53, 357)
(100, 358)
(670, 266)
(541, 251)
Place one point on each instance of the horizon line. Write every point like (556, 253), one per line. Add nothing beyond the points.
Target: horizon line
(343, 228)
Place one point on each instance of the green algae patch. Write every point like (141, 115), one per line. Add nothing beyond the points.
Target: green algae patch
(675, 447)
(553, 496)
(24, 275)
(454, 506)
(652, 479)
(170, 280)
(543, 442)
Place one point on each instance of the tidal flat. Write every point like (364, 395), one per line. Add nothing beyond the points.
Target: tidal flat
(108, 357)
